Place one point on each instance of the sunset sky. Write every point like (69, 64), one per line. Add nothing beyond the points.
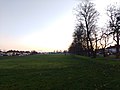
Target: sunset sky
(41, 25)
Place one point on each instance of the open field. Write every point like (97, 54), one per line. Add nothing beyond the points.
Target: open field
(58, 72)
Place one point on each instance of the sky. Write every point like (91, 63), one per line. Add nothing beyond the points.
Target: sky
(41, 25)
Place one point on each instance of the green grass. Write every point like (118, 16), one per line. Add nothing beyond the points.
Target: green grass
(58, 72)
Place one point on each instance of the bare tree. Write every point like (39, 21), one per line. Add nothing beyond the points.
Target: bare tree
(88, 15)
(96, 38)
(105, 40)
(114, 24)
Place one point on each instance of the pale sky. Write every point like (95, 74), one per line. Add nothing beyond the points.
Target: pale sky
(41, 25)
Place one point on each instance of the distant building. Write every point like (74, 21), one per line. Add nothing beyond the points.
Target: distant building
(1, 53)
(112, 49)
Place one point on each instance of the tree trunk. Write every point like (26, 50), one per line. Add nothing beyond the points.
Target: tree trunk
(91, 46)
(104, 54)
(95, 53)
(88, 50)
(117, 47)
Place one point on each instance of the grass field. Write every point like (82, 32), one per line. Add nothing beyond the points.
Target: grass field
(58, 72)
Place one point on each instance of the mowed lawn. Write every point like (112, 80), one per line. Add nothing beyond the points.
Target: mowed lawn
(58, 72)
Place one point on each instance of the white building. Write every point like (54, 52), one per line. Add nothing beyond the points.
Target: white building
(112, 49)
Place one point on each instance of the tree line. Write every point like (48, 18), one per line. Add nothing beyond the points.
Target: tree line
(88, 37)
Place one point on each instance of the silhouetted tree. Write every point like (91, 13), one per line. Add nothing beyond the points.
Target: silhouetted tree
(105, 40)
(114, 24)
(88, 15)
(33, 52)
(78, 45)
(96, 38)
